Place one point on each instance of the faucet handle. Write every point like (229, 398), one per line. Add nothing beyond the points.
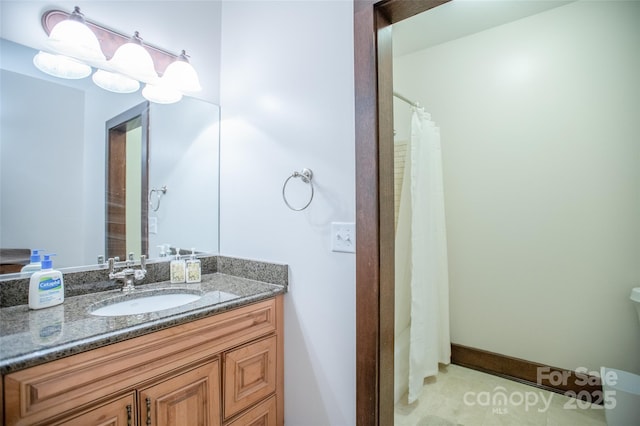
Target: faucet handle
(139, 274)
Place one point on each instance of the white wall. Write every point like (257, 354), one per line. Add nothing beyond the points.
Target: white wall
(540, 146)
(287, 103)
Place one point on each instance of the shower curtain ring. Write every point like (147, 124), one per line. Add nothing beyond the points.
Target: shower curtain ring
(305, 175)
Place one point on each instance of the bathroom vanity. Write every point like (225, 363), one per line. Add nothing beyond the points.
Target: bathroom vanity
(203, 363)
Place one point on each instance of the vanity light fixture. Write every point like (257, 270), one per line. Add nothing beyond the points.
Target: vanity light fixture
(133, 60)
(75, 45)
(72, 37)
(181, 75)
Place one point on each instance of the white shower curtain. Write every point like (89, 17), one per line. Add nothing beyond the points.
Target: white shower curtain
(422, 281)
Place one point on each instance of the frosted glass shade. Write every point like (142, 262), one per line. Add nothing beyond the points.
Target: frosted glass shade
(182, 76)
(161, 94)
(61, 66)
(133, 60)
(115, 82)
(72, 37)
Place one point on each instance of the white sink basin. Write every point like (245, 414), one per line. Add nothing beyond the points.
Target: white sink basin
(144, 304)
(144, 301)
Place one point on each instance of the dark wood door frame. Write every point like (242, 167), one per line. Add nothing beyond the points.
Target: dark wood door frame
(374, 203)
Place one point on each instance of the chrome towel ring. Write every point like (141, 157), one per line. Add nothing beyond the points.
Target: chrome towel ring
(306, 175)
(158, 196)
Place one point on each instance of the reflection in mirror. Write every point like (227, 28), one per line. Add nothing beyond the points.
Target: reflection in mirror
(53, 166)
(127, 183)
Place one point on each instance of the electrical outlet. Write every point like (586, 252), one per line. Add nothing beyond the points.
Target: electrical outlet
(153, 225)
(343, 237)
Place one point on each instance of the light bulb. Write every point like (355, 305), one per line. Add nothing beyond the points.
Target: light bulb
(72, 37)
(181, 75)
(133, 60)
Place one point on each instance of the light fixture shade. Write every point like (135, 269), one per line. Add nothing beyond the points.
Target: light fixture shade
(73, 38)
(182, 76)
(133, 60)
(61, 66)
(161, 94)
(115, 82)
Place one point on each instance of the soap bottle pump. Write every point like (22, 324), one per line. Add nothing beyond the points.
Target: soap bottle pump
(177, 269)
(194, 271)
(34, 264)
(46, 287)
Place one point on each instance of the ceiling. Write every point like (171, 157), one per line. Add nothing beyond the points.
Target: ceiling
(460, 18)
(170, 25)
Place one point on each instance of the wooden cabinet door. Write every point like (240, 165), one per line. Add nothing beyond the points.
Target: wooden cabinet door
(263, 414)
(191, 398)
(120, 412)
(249, 375)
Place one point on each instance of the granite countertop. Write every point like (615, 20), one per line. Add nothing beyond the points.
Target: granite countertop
(32, 337)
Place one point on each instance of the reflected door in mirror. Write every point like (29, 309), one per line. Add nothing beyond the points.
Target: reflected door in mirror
(127, 183)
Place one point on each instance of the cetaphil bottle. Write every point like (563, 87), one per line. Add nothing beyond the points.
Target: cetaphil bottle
(46, 287)
(34, 264)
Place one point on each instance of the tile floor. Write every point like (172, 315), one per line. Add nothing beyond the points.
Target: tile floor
(461, 396)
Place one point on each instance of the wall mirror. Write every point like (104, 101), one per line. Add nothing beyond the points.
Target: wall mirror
(53, 174)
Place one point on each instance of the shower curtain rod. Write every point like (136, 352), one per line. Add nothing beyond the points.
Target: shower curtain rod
(409, 101)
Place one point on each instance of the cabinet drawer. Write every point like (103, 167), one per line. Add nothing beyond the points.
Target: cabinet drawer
(249, 375)
(263, 414)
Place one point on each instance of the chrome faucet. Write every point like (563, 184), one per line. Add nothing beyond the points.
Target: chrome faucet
(128, 275)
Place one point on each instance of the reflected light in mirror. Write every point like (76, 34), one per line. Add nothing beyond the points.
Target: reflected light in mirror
(161, 94)
(61, 66)
(115, 82)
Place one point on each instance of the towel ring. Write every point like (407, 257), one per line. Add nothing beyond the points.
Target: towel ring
(306, 175)
(159, 193)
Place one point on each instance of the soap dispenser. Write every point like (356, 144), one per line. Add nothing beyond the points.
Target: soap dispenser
(177, 269)
(46, 287)
(194, 271)
(34, 263)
